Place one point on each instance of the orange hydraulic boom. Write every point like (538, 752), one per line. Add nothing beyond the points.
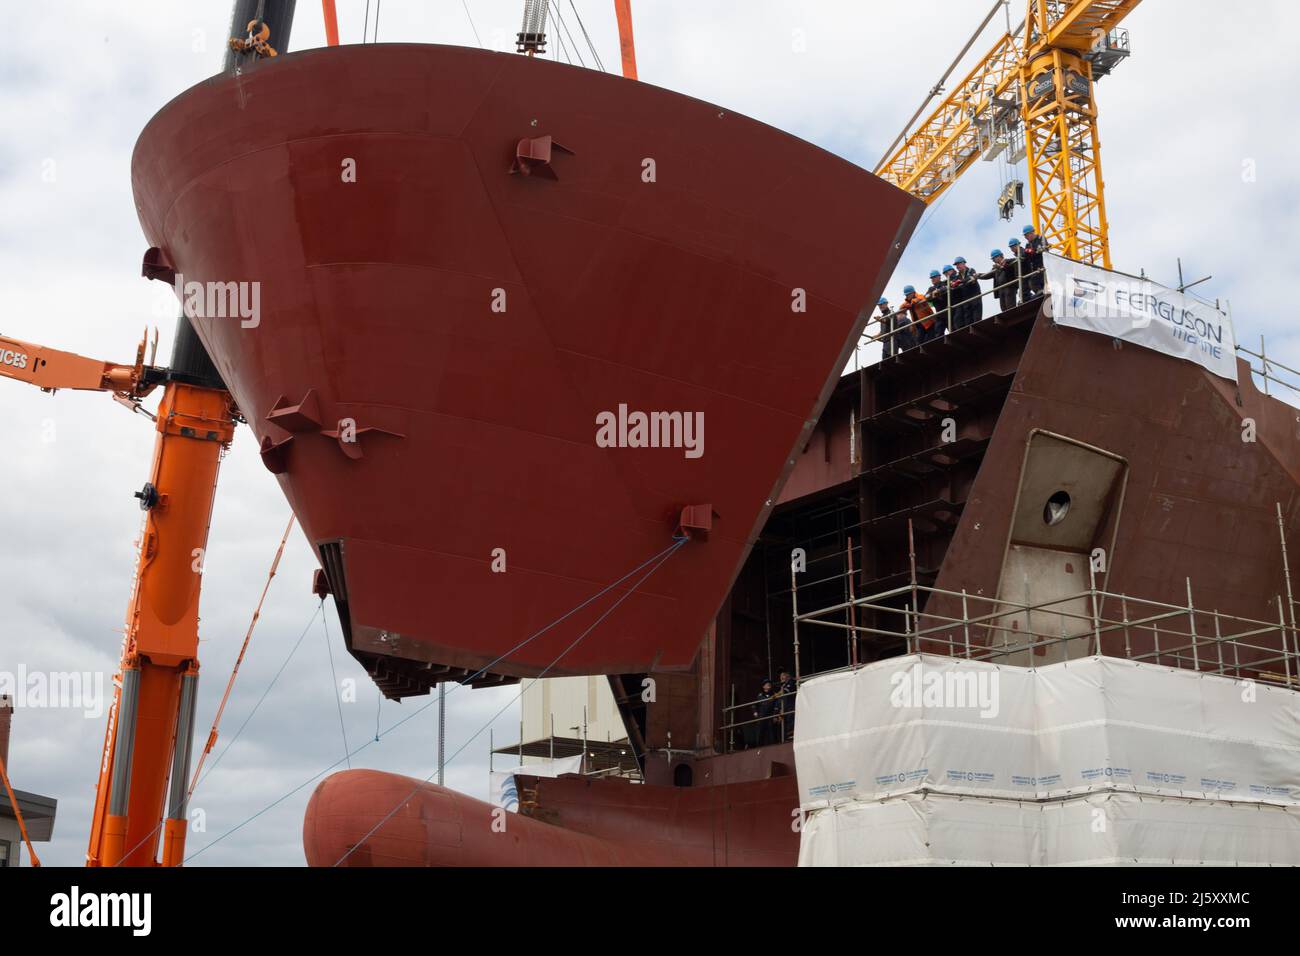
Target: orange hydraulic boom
(147, 742)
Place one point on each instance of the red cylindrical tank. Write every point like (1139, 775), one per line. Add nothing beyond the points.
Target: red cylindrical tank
(440, 827)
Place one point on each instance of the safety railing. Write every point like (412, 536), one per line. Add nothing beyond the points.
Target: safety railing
(1094, 621)
(1156, 632)
(759, 722)
(902, 333)
(1268, 369)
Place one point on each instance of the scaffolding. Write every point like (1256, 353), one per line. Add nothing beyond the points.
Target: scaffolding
(1091, 622)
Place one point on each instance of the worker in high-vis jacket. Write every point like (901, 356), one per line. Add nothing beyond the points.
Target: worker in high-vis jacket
(1005, 274)
(918, 309)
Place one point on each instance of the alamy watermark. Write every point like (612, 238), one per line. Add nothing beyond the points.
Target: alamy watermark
(946, 689)
(625, 429)
(221, 300)
(69, 690)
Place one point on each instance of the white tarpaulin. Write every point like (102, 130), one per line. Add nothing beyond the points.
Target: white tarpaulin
(1104, 829)
(505, 793)
(947, 725)
(1141, 312)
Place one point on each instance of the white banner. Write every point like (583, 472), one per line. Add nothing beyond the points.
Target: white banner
(1141, 312)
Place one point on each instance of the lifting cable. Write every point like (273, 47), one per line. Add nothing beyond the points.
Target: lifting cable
(583, 27)
(226, 749)
(662, 555)
(558, 18)
(334, 683)
(559, 39)
(578, 640)
(234, 671)
(471, 22)
(212, 734)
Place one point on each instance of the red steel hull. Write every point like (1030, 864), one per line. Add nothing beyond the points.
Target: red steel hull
(585, 822)
(477, 428)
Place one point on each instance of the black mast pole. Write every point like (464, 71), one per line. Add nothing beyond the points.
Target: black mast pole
(190, 361)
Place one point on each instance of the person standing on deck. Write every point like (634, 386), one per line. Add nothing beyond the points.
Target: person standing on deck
(920, 311)
(1006, 279)
(937, 296)
(1035, 246)
(949, 298)
(786, 691)
(1018, 254)
(888, 343)
(765, 714)
(966, 295)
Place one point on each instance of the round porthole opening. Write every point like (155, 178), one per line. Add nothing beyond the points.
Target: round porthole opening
(1057, 507)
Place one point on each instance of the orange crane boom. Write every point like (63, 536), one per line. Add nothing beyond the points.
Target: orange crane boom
(50, 369)
(147, 741)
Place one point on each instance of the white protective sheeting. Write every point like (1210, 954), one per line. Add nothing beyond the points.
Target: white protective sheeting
(1104, 829)
(946, 725)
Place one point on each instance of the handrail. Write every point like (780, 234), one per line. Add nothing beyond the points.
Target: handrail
(947, 313)
(1267, 364)
(1184, 645)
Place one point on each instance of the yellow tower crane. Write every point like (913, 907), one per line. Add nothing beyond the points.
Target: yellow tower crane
(1034, 87)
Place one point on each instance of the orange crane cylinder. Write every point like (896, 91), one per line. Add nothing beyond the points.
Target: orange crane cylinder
(152, 720)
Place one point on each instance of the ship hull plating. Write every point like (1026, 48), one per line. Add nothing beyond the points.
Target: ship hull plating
(464, 263)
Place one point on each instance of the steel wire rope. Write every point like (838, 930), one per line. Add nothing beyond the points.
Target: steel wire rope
(677, 542)
(596, 623)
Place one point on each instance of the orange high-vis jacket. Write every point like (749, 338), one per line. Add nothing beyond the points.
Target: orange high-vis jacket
(921, 310)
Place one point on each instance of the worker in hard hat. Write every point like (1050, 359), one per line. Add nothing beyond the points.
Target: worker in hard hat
(968, 307)
(1017, 252)
(1005, 274)
(889, 344)
(938, 296)
(950, 302)
(1032, 261)
(919, 311)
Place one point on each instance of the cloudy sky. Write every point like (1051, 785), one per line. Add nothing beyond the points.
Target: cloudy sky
(1195, 106)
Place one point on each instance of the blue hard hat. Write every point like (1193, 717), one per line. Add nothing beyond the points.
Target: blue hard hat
(908, 289)
(883, 301)
(995, 253)
(934, 273)
(949, 269)
(1027, 230)
(959, 259)
(1013, 241)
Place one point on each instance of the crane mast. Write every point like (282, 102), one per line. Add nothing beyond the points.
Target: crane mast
(1036, 81)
